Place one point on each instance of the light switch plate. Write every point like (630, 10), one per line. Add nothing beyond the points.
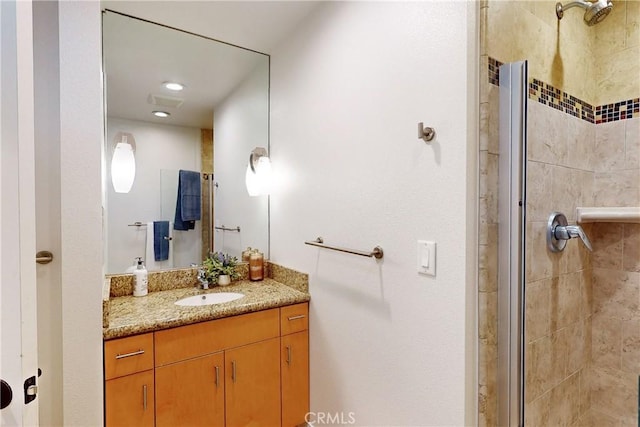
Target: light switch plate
(426, 257)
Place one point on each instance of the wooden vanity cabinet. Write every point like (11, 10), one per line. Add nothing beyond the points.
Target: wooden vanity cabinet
(294, 363)
(251, 369)
(129, 385)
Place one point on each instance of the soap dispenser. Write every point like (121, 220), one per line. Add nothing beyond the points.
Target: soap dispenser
(140, 280)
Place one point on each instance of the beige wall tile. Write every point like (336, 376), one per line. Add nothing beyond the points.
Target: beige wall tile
(566, 191)
(606, 341)
(614, 393)
(540, 263)
(537, 310)
(546, 134)
(585, 391)
(615, 73)
(564, 406)
(617, 188)
(559, 357)
(500, 22)
(493, 142)
(540, 181)
(580, 143)
(489, 183)
(576, 336)
(606, 239)
(631, 248)
(586, 293)
(484, 78)
(487, 316)
(610, 147)
(536, 413)
(631, 346)
(633, 24)
(632, 143)
(616, 293)
(600, 419)
(487, 362)
(488, 267)
(537, 368)
(566, 300)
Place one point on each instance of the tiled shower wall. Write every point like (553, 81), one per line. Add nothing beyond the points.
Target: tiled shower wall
(615, 352)
(566, 148)
(557, 285)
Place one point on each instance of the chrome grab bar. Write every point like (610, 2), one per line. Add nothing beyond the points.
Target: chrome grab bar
(377, 252)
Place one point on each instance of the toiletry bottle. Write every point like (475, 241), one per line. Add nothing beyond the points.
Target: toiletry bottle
(256, 265)
(140, 284)
(246, 254)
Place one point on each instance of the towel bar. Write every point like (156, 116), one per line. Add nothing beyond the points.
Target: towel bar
(376, 253)
(138, 224)
(223, 228)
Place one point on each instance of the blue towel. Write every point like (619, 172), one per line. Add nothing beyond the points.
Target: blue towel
(160, 244)
(188, 203)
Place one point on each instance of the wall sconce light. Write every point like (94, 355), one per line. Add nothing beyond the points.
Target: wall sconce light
(258, 175)
(123, 162)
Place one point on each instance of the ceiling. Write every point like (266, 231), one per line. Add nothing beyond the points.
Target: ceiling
(139, 56)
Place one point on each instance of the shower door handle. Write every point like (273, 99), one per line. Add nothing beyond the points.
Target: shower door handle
(558, 232)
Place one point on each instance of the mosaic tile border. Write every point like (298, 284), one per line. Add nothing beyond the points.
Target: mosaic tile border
(547, 94)
(618, 111)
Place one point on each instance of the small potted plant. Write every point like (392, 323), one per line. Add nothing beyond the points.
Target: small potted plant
(221, 268)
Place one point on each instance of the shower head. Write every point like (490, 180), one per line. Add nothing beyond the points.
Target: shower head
(596, 11)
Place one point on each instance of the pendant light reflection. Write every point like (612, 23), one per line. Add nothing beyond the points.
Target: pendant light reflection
(123, 163)
(258, 175)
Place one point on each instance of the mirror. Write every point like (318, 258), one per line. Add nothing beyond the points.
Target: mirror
(214, 122)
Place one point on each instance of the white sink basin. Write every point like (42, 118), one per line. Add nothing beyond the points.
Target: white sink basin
(209, 299)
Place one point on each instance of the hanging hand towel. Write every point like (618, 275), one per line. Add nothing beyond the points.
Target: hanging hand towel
(150, 258)
(188, 203)
(161, 240)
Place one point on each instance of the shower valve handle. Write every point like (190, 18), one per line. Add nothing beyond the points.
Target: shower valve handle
(558, 232)
(570, 231)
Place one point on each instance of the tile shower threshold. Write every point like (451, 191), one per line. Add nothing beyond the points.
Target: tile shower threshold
(608, 214)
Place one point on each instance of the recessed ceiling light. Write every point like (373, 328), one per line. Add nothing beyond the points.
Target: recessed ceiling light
(162, 114)
(173, 86)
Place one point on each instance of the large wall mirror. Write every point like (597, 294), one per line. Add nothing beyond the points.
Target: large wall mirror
(213, 124)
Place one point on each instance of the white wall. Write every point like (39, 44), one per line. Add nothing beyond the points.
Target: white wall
(347, 91)
(158, 147)
(81, 134)
(241, 124)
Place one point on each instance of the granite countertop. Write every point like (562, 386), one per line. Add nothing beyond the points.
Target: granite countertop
(129, 315)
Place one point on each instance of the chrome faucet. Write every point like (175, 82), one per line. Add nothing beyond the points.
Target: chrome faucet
(202, 277)
(558, 232)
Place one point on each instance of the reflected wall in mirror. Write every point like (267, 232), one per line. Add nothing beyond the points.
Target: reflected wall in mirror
(214, 122)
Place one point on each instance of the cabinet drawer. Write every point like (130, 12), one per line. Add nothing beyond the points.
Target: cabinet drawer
(294, 318)
(199, 339)
(126, 356)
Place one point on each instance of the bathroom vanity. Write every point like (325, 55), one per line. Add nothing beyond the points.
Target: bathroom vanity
(235, 363)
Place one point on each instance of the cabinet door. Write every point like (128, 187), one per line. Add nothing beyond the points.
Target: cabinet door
(252, 385)
(191, 392)
(295, 378)
(129, 400)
